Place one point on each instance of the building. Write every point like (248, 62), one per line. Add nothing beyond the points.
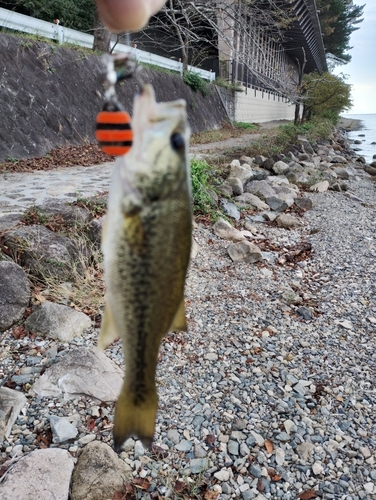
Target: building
(262, 45)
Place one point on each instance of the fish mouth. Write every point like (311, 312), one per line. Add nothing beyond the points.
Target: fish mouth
(154, 123)
(148, 111)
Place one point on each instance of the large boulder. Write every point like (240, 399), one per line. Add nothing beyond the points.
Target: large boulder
(278, 204)
(236, 184)
(288, 221)
(285, 192)
(342, 173)
(280, 167)
(244, 251)
(304, 203)
(248, 200)
(99, 473)
(370, 170)
(82, 371)
(45, 253)
(262, 189)
(259, 159)
(71, 214)
(320, 187)
(225, 230)
(259, 174)
(57, 322)
(42, 475)
(8, 220)
(242, 172)
(14, 294)
(305, 146)
(11, 403)
(230, 209)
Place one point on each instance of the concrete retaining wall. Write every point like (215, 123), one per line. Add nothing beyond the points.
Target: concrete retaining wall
(50, 96)
(256, 106)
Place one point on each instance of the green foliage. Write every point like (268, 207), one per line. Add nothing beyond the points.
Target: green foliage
(75, 14)
(203, 202)
(325, 96)
(96, 205)
(235, 86)
(338, 19)
(318, 128)
(279, 139)
(34, 216)
(12, 159)
(244, 125)
(195, 82)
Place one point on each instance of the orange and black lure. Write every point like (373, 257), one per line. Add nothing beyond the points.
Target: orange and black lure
(113, 130)
(113, 124)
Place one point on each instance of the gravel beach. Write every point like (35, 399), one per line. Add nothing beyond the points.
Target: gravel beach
(271, 392)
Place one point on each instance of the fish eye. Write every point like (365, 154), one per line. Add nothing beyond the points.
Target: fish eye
(177, 141)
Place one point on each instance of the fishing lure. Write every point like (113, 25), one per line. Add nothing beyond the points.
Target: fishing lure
(113, 124)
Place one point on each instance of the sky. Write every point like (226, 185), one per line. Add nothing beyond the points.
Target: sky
(361, 70)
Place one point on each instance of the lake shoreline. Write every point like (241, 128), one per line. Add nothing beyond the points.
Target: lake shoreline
(350, 124)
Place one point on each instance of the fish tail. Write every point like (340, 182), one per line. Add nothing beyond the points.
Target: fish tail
(135, 416)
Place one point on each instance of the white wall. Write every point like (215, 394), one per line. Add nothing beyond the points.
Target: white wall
(256, 106)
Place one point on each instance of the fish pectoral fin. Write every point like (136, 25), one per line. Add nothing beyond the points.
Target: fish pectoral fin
(179, 322)
(135, 418)
(108, 330)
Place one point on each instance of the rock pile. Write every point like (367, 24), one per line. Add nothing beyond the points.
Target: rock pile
(262, 189)
(244, 403)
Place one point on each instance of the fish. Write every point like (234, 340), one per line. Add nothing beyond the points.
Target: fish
(146, 243)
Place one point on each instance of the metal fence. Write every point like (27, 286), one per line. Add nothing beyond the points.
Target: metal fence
(26, 24)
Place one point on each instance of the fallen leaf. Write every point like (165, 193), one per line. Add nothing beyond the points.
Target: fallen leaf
(158, 452)
(277, 477)
(141, 483)
(269, 446)
(260, 485)
(179, 486)
(210, 439)
(306, 495)
(118, 495)
(211, 495)
(19, 332)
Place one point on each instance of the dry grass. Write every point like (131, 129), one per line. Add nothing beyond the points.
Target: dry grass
(227, 131)
(85, 289)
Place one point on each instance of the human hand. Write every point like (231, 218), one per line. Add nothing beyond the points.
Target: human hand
(127, 15)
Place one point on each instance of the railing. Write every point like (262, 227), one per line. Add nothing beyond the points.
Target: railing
(20, 22)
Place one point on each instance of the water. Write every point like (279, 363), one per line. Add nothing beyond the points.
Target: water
(368, 128)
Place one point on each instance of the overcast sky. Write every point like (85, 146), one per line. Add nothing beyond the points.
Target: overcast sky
(362, 68)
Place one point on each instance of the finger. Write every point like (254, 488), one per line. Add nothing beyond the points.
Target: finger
(127, 15)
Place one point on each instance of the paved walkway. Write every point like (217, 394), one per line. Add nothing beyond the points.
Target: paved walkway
(19, 191)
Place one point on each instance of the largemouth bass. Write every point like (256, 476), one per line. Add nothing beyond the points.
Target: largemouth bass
(146, 244)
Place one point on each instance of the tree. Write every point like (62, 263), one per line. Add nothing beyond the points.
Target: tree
(243, 33)
(338, 19)
(102, 37)
(80, 15)
(324, 96)
(75, 14)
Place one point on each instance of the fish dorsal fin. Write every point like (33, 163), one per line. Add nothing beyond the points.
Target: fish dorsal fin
(179, 321)
(108, 330)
